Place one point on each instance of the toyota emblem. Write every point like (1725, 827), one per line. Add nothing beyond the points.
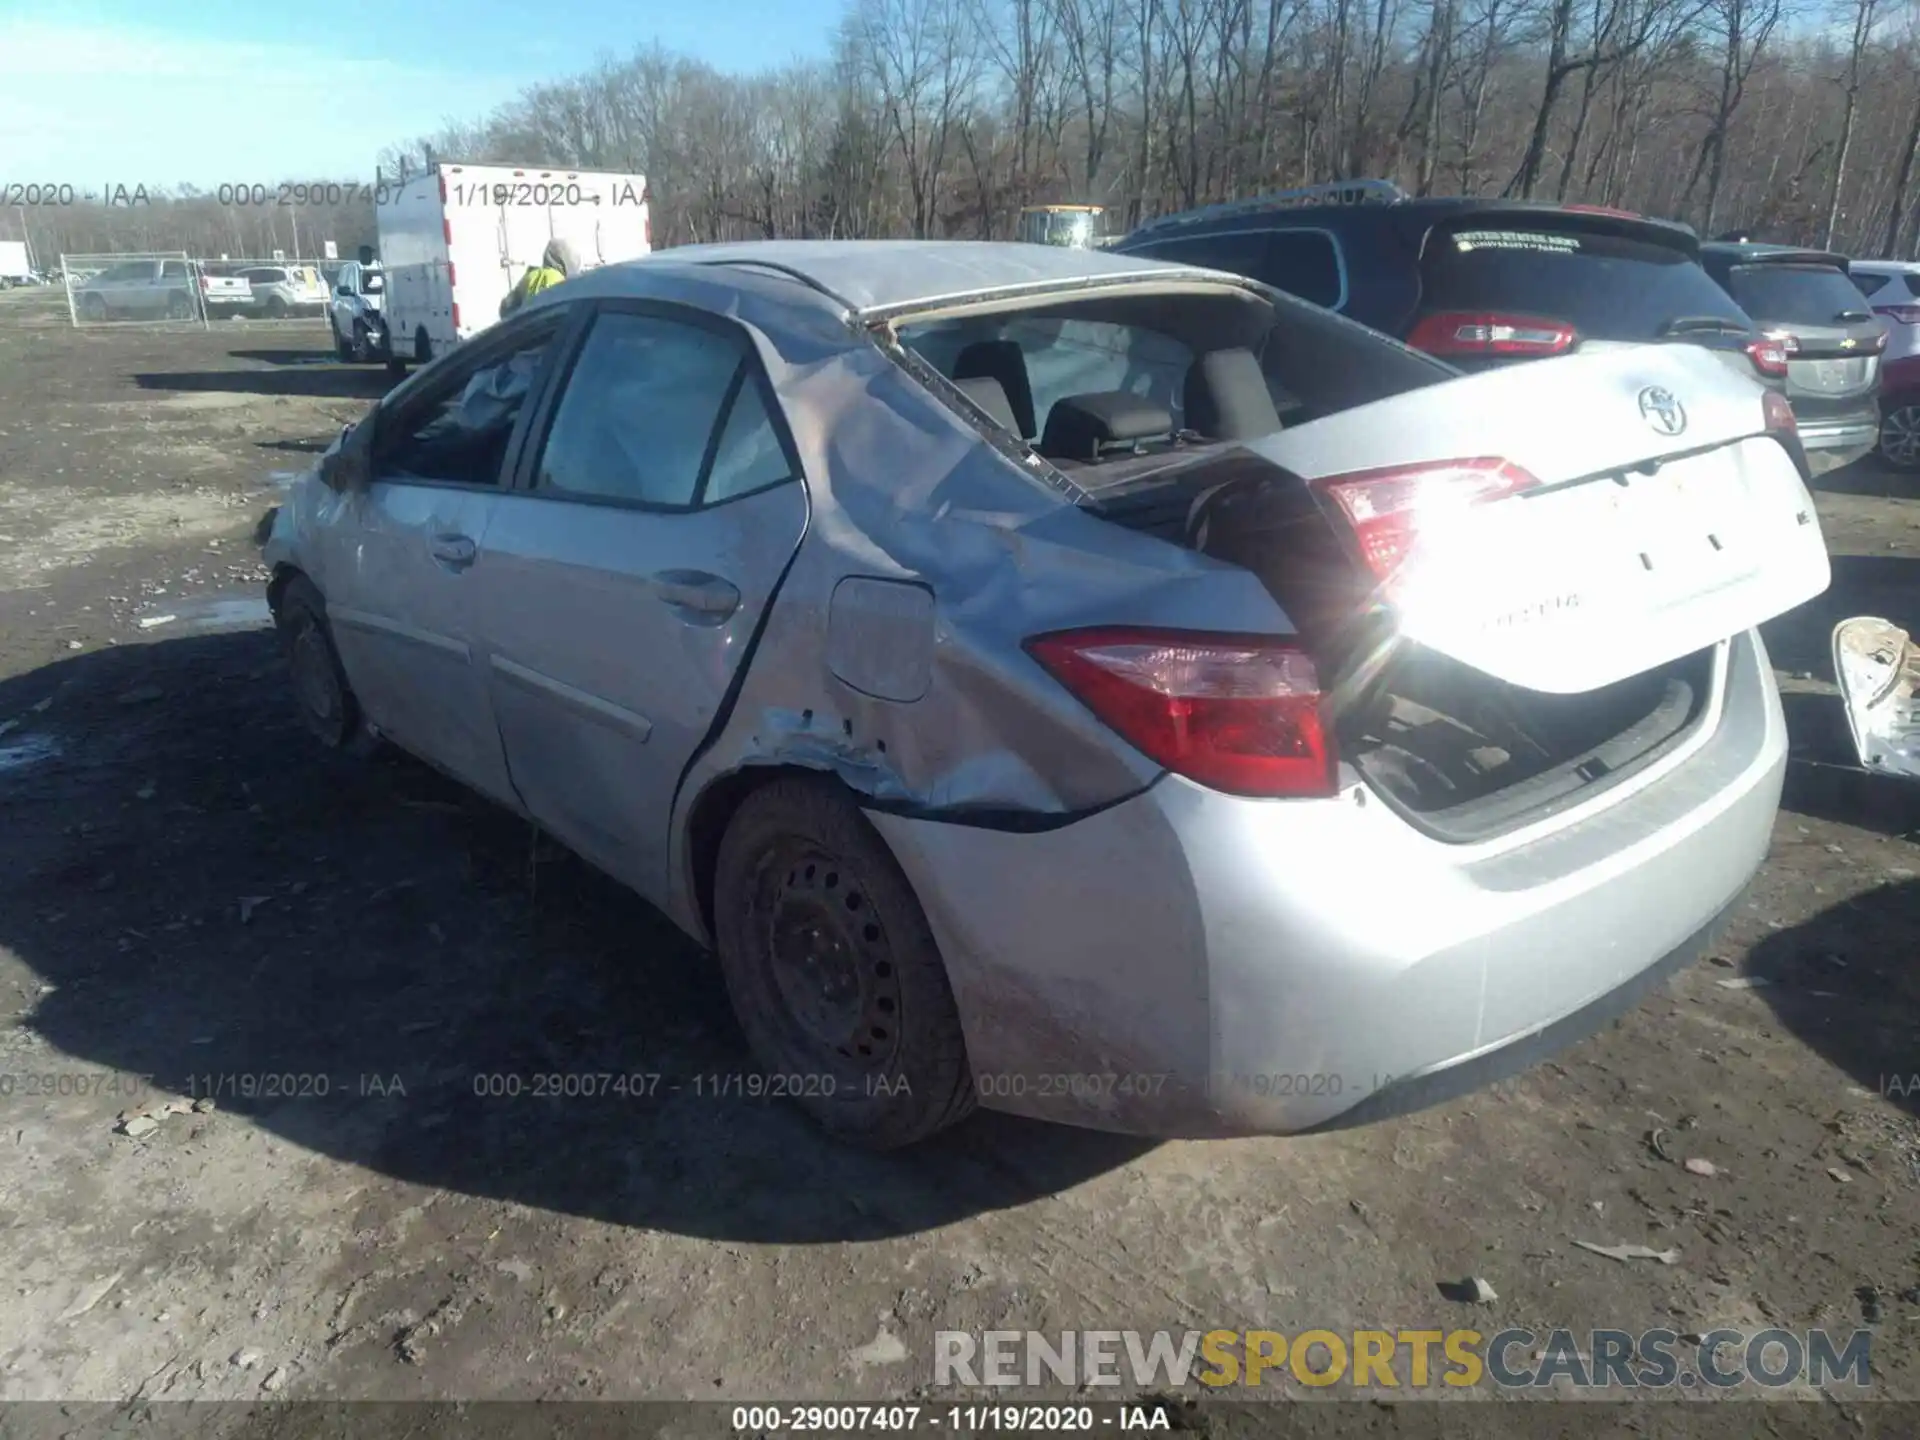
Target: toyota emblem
(1660, 410)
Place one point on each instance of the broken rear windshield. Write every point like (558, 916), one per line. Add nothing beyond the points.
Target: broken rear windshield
(1609, 287)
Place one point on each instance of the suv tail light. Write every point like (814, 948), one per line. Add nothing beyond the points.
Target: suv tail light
(1786, 339)
(1389, 508)
(1476, 332)
(1237, 713)
(1905, 314)
(1769, 355)
(1778, 411)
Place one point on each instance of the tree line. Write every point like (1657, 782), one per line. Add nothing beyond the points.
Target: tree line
(1790, 120)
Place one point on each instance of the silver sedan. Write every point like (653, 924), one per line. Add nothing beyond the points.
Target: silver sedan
(1089, 687)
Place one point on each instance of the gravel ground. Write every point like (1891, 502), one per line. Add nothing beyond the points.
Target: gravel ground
(191, 891)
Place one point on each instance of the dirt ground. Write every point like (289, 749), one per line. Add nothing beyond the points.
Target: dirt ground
(189, 890)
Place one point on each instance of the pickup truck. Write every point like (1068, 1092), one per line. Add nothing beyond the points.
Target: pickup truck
(160, 289)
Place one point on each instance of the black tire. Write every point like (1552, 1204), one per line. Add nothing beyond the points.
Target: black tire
(1900, 433)
(93, 307)
(179, 306)
(363, 350)
(833, 970)
(276, 308)
(422, 347)
(342, 348)
(321, 693)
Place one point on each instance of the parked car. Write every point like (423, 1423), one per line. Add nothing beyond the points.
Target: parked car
(355, 313)
(160, 289)
(283, 290)
(1892, 287)
(953, 637)
(1804, 299)
(1481, 283)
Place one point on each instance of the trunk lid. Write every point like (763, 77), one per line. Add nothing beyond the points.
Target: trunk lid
(1663, 516)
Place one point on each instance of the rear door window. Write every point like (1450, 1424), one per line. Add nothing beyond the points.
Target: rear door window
(1301, 262)
(1608, 287)
(1305, 263)
(1797, 294)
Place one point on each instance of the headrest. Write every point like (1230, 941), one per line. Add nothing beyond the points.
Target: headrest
(1227, 397)
(991, 396)
(1079, 427)
(1001, 360)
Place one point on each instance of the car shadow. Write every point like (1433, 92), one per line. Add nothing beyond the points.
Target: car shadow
(304, 447)
(1869, 476)
(1844, 982)
(319, 353)
(340, 382)
(370, 961)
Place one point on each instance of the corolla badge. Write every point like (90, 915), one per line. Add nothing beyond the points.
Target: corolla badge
(1660, 410)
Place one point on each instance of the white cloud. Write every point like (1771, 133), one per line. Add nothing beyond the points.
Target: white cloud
(91, 105)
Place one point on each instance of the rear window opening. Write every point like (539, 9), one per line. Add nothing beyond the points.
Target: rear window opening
(1607, 286)
(1112, 386)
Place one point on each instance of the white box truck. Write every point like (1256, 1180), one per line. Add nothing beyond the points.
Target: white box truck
(456, 238)
(16, 267)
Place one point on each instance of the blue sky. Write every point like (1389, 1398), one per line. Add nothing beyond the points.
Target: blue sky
(100, 92)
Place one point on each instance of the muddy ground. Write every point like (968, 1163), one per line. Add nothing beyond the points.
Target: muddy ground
(189, 890)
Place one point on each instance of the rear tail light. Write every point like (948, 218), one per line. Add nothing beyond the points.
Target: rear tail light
(1388, 509)
(1905, 314)
(456, 317)
(1473, 332)
(205, 284)
(1237, 713)
(1788, 342)
(1778, 411)
(1769, 356)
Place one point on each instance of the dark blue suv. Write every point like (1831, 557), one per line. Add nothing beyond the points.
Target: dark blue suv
(1478, 282)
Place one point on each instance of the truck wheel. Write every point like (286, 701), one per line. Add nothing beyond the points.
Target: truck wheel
(362, 342)
(325, 700)
(422, 347)
(1900, 433)
(341, 348)
(276, 308)
(179, 307)
(833, 970)
(93, 307)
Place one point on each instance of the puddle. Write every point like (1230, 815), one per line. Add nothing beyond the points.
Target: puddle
(28, 751)
(199, 614)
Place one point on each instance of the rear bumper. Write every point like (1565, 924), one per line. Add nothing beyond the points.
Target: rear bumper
(1840, 439)
(1185, 963)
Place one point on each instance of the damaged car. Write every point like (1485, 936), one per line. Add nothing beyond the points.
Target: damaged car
(955, 640)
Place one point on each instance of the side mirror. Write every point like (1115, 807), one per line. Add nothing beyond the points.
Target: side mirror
(348, 465)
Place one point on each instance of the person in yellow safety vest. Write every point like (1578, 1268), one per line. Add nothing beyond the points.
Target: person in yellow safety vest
(557, 264)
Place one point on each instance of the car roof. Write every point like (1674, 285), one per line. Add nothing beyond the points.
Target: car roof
(1383, 201)
(878, 275)
(1750, 252)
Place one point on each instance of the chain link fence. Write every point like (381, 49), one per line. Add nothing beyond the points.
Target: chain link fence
(159, 287)
(173, 288)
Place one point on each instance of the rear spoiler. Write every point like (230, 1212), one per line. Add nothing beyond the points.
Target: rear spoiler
(1540, 216)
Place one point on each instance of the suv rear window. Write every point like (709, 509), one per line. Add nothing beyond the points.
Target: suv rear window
(1609, 287)
(1301, 262)
(1797, 294)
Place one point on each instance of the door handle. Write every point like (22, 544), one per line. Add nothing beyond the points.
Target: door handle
(456, 552)
(709, 598)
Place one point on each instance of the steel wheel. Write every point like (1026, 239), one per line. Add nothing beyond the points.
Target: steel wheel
(321, 694)
(1900, 435)
(827, 956)
(833, 970)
